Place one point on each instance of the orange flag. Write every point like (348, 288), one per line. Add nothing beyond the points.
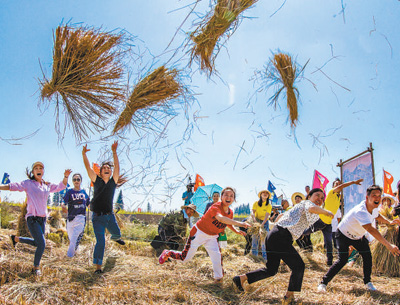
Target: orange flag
(96, 169)
(387, 183)
(198, 182)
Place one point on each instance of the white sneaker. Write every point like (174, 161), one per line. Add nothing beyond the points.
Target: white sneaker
(321, 288)
(370, 286)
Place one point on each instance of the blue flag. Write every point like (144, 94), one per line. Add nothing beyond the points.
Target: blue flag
(62, 193)
(6, 179)
(271, 189)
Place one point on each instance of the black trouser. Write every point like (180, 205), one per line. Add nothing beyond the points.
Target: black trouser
(326, 229)
(361, 245)
(280, 246)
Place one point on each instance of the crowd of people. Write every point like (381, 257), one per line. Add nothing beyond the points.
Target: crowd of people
(274, 240)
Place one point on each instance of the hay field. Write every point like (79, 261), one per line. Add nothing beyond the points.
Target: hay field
(133, 276)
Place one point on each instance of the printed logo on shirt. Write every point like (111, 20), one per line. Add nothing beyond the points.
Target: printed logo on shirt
(218, 224)
(78, 196)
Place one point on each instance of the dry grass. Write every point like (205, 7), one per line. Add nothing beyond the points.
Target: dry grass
(154, 90)
(85, 82)
(22, 226)
(133, 276)
(281, 73)
(207, 34)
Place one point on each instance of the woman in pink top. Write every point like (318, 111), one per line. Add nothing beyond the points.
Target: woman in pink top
(37, 191)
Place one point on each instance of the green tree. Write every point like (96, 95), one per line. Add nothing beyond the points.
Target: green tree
(148, 207)
(120, 202)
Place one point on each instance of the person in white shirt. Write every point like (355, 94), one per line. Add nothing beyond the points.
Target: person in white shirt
(351, 232)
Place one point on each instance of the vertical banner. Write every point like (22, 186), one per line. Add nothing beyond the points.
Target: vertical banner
(358, 168)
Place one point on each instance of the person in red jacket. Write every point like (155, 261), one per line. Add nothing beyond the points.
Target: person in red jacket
(205, 232)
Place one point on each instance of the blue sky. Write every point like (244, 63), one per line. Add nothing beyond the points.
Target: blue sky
(358, 48)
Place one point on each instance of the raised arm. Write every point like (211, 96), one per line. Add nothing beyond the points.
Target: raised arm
(339, 188)
(90, 171)
(116, 161)
(66, 175)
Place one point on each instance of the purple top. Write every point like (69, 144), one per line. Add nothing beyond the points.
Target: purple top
(37, 195)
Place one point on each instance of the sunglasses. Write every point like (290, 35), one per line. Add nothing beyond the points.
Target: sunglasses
(76, 179)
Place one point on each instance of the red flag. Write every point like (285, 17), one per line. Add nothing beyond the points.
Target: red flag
(319, 180)
(198, 182)
(96, 169)
(387, 183)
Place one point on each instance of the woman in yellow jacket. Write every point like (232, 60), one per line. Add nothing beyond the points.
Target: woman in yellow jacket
(260, 213)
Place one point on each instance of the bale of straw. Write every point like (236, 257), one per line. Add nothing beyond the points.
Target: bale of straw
(281, 73)
(22, 227)
(383, 260)
(206, 36)
(55, 219)
(155, 89)
(85, 82)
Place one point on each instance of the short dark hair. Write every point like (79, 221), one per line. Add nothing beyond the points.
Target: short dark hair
(337, 179)
(215, 193)
(316, 190)
(228, 188)
(373, 187)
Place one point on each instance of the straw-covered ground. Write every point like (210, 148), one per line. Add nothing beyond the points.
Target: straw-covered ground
(133, 276)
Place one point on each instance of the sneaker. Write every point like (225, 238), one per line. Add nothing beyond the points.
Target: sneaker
(329, 263)
(163, 257)
(238, 283)
(36, 272)
(120, 241)
(13, 240)
(98, 271)
(370, 286)
(321, 288)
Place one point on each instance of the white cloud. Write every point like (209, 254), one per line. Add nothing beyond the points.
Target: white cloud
(231, 94)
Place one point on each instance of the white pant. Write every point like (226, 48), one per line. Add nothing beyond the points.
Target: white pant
(75, 229)
(210, 242)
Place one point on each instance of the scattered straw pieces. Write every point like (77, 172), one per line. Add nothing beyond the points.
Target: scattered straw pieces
(206, 36)
(85, 82)
(155, 89)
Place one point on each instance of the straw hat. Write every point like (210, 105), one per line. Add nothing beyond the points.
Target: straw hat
(193, 207)
(264, 191)
(297, 194)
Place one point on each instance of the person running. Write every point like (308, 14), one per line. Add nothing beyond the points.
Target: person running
(103, 218)
(37, 191)
(288, 227)
(205, 232)
(260, 213)
(75, 202)
(351, 232)
(324, 224)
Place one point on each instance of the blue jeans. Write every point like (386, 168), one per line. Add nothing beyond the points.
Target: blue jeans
(256, 238)
(326, 229)
(100, 224)
(36, 226)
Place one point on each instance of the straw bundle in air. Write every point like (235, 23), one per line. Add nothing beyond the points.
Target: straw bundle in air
(383, 260)
(205, 37)
(85, 80)
(155, 89)
(22, 226)
(282, 73)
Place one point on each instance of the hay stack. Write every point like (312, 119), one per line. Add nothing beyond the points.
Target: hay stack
(55, 219)
(205, 37)
(282, 72)
(383, 261)
(22, 226)
(87, 67)
(155, 89)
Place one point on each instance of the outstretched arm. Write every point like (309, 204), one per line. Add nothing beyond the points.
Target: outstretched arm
(116, 161)
(375, 233)
(90, 171)
(318, 210)
(5, 187)
(232, 222)
(339, 188)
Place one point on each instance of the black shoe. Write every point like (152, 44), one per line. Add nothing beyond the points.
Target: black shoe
(236, 281)
(13, 240)
(99, 271)
(329, 263)
(120, 241)
(36, 272)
